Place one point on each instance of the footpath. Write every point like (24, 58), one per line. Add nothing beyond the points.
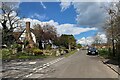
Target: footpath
(112, 64)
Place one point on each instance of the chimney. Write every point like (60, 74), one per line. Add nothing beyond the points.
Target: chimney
(28, 26)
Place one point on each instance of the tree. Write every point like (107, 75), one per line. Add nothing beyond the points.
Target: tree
(67, 41)
(46, 34)
(9, 21)
(113, 29)
(39, 35)
(79, 46)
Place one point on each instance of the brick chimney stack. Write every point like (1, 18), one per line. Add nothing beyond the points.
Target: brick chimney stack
(28, 35)
(28, 27)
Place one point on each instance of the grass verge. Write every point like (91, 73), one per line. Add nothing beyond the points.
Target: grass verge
(70, 53)
(32, 57)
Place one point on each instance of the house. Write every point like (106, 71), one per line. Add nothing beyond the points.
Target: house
(26, 36)
(102, 45)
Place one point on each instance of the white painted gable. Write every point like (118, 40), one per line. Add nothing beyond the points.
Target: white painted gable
(22, 37)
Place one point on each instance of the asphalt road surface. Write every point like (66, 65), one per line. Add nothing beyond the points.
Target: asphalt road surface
(78, 65)
(81, 65)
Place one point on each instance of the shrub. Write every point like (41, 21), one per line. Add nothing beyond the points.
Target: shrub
(17, 46)
(66, 51)
(36, 51)
(6, 53)
(26, 42)
(22, 53)
(48, 47)
(104, 52)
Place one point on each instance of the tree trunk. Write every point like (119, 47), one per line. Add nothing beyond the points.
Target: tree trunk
(69, 47)
(40, 45)
(113, 48)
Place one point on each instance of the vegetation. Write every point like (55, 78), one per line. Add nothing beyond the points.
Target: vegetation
(37, 51)
(6, 53)
(8, 21)
(104, 52)
(79, 46)
(72, 52)
(67, 41)
(113, 29)
(46, 36)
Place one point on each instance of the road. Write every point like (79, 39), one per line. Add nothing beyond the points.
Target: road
(78, 65)
(81, 65)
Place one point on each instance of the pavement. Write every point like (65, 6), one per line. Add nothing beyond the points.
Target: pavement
(78, 65)
(111, 64)
(24, 69)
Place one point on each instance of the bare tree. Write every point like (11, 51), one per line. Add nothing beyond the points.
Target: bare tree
(9, 20)
(113, 28)
(9, 15)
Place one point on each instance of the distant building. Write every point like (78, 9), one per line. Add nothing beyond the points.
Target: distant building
(102, 45)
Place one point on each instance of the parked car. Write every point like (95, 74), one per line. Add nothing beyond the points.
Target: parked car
(92, 51)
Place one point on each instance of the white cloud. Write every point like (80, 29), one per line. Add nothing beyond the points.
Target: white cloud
(65, 5)
(72, 29)
(39, 16)
(43, 5)
(86, 41)
(91, 39)
(102, 37)
(88, 13)
(61, 28)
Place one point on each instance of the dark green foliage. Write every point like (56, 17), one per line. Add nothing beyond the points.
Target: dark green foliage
(26, 42)
(7, 38)
(105, 53)
(79, 46)
(6, 53)
(66, 40)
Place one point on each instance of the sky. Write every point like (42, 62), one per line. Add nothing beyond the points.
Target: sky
(82, 19)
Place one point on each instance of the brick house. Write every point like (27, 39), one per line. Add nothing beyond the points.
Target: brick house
(27, 35)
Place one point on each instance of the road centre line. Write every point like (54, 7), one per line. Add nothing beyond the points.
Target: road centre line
(29, 75)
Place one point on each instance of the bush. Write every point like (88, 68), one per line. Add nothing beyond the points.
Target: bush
(36, 51)
(66, 51)
(48, 47)
(6, 53)
(17, 46)
(104, 52)
(22, 53)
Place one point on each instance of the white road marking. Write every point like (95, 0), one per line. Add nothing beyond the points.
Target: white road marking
(54, 61)
(40, 68)
(44, 67)
(29, 75)
(47, 65)
(32, 63)
(44, 64)
(34, 68)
